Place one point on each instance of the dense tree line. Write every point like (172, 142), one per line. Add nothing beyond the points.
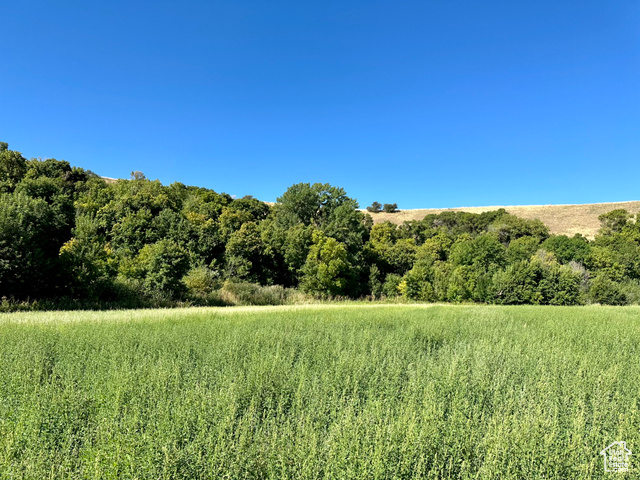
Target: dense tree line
(67, 234)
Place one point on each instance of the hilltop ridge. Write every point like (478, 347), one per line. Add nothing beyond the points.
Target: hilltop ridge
(561, 219)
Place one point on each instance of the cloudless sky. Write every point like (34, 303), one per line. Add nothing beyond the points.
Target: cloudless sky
(426, 103)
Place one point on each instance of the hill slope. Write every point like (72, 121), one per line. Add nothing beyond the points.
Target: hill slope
(561, 219)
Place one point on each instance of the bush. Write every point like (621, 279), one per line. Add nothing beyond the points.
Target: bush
(391, 284)
(607, 292)
(201, 281)
(567, 249)
(416, 284)
(522, 249)
(375, 207)
(390, 207)
(327, 271)
(631, 290)
(244, 293)
(375, 285)
(514, 285)
(614, 221)
(159, 267)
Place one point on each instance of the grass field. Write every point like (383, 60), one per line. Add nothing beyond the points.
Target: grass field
(380, 392)
(561, 219)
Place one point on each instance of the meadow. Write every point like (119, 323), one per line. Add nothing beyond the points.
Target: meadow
(320, 391)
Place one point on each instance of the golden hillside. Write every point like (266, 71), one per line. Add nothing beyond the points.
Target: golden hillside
(561, 219)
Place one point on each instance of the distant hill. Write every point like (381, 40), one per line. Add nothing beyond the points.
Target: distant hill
(109, 179)
(561, 219)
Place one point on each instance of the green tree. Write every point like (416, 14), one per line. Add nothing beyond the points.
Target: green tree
(606, 291)
(245, 249)
(568, 249)
(31, 234)
(417, 283)
(390, 207)
(484, 251)
(13, 167)
(327, 270)
(522, 249)
(375, 207)
(614, 221)
(88, 262)
(509, 227)
(160, 268)
(311, 204)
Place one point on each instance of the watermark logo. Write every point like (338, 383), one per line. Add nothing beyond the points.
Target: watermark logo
(616, 457)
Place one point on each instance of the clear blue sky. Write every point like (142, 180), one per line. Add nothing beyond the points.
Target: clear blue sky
(422, 103)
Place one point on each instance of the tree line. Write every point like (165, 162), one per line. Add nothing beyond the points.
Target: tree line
(68, 236)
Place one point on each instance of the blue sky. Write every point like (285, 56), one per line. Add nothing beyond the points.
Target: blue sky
(421, 103)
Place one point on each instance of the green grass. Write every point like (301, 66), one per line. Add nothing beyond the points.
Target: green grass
(319, 392)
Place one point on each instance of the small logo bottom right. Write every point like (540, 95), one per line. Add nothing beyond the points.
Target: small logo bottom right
(616, 457)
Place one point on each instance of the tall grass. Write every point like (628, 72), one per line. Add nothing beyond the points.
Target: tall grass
(346, 391)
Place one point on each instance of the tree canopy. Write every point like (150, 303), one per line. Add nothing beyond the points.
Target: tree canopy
(65, 233)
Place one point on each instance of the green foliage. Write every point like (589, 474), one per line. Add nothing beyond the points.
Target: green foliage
(159, 267)
(311, 204)
(375, 207)
(67, 236)
(606, 291)
(31, 234)
(375, 284)
(391, 285)
(614, 221)
(509, 227)
(13, 167)
(522, 249)
(384, 233)
(567, 249)
(296, 247)
(201, 281)
(327, 271)
(390, 207)
(437, 247)
(484, 251)
(49, 168)
(618, 256)
(542, 280)
(239, 212)
(88, 262)
(458, 223)
(416, 284)
(515, 285)
(245, 293)
(391, 257)
(244, 253)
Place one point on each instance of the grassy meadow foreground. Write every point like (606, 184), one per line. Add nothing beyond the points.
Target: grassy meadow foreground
(333, 391)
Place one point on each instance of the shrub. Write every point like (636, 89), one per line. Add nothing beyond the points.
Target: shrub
(201, 281)
(614, 221)
(607, 292)
(375, 207)
(522, 249)
(327, 271)
(375, 285)
(514, 285)
(159, 267)
(568, 249)
(244, 293)
(416, 284)
(391, 284)
(390, 207)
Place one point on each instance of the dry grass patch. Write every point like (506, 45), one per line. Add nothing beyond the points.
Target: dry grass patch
(561, 219)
